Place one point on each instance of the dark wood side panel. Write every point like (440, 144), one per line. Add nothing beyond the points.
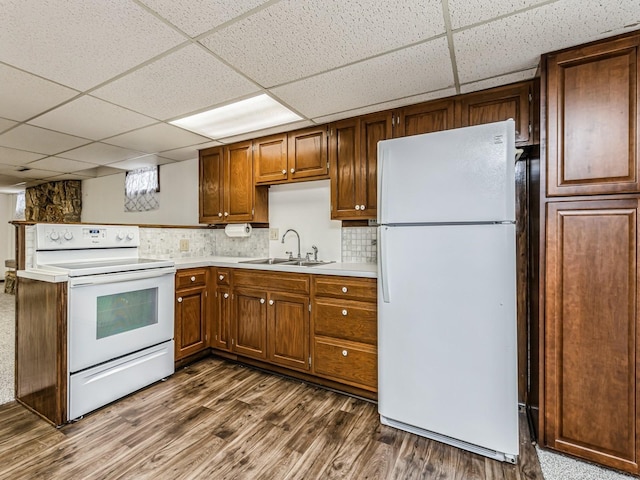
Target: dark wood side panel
(591, 333)
(41, 348)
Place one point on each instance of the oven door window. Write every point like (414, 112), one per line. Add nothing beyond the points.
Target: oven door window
(123, 312)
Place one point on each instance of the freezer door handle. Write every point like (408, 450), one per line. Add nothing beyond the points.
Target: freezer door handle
(384, 281)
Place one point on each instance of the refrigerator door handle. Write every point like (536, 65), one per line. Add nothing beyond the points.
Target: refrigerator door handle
(384, 282)
(381, 198)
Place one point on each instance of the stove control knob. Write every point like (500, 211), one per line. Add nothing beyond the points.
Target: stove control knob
(54, 235)
(120, 235)
(130, 235)
(68, 235)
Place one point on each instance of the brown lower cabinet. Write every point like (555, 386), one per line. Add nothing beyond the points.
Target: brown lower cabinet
(190, 333)
(591, 331)
(322, 328)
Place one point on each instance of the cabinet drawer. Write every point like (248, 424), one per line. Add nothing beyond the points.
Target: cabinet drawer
(288, 282)
(345, 287)
(191, 278)
(352, 362)
(355, 321)
(222, 276)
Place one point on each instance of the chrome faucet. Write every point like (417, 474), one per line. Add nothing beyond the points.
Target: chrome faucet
(298, 235)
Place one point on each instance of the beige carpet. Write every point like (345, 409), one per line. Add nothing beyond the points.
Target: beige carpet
(7, 346)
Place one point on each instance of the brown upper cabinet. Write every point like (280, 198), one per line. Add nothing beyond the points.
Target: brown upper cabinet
(227, 190)
(424, 118)
(592, 119)
(292, 157)
(496, 105)
(353, 157)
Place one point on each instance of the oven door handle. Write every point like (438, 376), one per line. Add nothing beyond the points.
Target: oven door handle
(120, 277)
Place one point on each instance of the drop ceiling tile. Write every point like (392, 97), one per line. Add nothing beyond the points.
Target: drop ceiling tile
(187, 80)
(101, 154)
(515, 43)
(182, 154)
(155, 138)
(10, 184)
(469, 12)
(141, 162)
(498, 81)
(68, 176)
(58, 164)
(92, 118)
(30, 173)
(99, 39)
(378, 107)
(6, 124)
(411, 71)
(198, 16)
(23, 95)
(10, 156)
(293, 39)
(39, 140)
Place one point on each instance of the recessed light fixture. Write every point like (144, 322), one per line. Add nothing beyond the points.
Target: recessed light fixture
(250, 115)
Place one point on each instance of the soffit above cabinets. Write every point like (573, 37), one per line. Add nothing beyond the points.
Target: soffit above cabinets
(98, 82)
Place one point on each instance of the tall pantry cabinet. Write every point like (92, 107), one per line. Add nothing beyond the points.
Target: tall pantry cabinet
(589, 203)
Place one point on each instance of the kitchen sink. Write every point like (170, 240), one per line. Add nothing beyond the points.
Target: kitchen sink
(286, 261)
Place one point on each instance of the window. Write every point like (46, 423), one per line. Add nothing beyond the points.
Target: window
(140, 188)
(20, 206)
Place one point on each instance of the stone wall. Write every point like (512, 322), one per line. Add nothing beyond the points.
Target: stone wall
(54, 202)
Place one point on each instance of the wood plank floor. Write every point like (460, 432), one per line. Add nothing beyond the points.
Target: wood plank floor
(219, 420)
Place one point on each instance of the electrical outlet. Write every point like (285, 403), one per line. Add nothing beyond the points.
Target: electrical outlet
(274, 234)
(184, 245)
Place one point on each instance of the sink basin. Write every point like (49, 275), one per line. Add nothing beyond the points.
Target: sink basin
(309, 263)
(270, 261)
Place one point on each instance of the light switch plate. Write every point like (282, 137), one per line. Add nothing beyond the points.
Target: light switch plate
(274, 234)
(184, 245)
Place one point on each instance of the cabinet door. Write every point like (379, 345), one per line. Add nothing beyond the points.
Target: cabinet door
(270, 159)
(496, 105)
(424, 118)
(220, 333)
(250, 326)
(345, 169)
(373, 128)
(288, 316)
(190, 326)
(592, 110)
(238, 185)
(307, 153)
(211, 180)
(591, 331)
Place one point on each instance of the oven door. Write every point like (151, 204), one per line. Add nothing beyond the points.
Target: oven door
(112, 315)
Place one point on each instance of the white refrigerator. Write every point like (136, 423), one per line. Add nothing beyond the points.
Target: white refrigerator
(447, 360)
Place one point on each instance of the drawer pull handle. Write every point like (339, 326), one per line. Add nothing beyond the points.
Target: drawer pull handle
(344, 313)
(193, 279)
(179, 299)
(226, 295)
(270, 302)
(344, 353)
(262, 300)
(221, 277)
(344, 289)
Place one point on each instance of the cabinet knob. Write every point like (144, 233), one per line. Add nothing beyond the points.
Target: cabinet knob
(226, 214)
(262, 300)
(179, 299)
(284, 172)
(361, 207)
(220, 214)
(357, 207)
(344, 313)
(344, 289)
(344, 353)
(193, 279)
(293, 170)
(226, 295)
(270, 302)
(221, 277)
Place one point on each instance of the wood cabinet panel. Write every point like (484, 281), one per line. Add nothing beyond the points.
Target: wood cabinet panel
(270, 159)
(345, 169)
(221, 321)
(288, 282)
(498, 104)
(190, 321)
(354, 363)
(307, 153)
(250, 322)
(350, 288)
(592, 106)
(373, 128)
(210, 185)
(355, 321)
(239, 182)
(591, 330)
(191, 278)
(425, 118)
(288, 332)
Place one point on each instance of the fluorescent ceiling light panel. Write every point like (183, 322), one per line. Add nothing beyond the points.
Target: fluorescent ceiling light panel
(250, 115)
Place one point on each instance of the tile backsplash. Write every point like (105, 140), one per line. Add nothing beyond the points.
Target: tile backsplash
(359, 244)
